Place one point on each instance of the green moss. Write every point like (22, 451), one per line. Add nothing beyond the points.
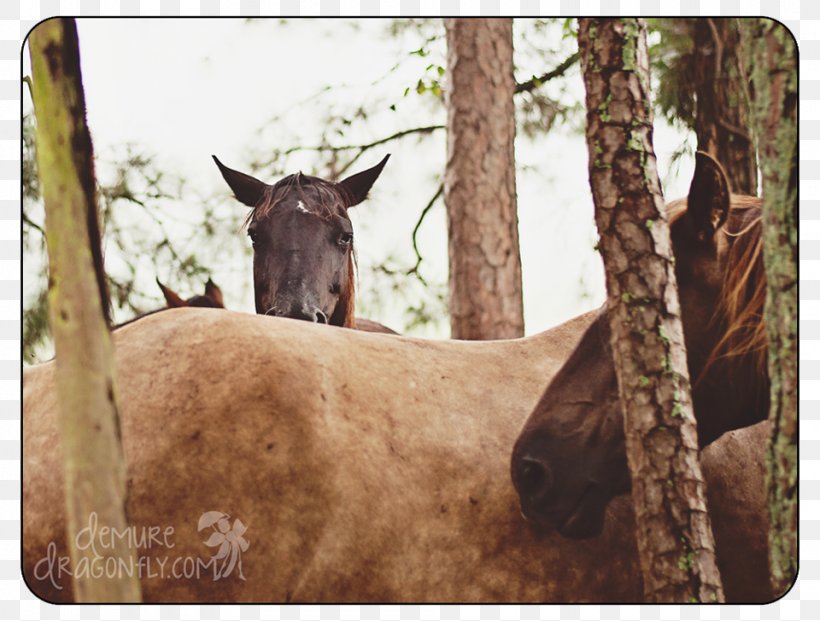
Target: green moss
(630, 48)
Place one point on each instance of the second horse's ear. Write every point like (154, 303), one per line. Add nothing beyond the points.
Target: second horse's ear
(213, 291)
(171, 298)
(246, 189)
(358, 185)
(709, 197)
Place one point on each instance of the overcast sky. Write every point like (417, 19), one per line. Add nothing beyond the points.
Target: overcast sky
(184, 89)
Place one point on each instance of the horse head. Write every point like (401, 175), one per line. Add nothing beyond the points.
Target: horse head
(212, 298)
(570, 458)
(303, 255)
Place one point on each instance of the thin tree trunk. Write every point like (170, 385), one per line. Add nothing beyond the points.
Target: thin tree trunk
(722, 117)
(479, 184)
(675, 542)
(775, 85)
(89, 427)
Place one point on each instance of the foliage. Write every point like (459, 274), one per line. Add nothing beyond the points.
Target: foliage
(672, 68)
(345, 133)
(148, 232)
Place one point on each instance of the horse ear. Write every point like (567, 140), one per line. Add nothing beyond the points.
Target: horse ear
(246, 189)
(213, 291)
(359, 185)
(171, 298)
(709, 196)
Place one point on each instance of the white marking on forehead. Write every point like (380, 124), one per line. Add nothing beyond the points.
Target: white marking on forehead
(301, 207)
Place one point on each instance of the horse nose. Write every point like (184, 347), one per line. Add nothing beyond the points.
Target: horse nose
(302, 312)
(534, 479)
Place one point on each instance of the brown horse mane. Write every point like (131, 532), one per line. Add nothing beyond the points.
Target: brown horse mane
(740, 307)
(333, 201)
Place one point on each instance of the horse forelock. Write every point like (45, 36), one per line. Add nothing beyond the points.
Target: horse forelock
(739, 312)
(332, 198)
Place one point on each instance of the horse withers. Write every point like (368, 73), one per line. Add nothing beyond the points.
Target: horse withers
(569, 461)
(303, 253)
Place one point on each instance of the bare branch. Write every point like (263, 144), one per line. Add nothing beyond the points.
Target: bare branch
(33, 224)
(525, 87)
(415, 269)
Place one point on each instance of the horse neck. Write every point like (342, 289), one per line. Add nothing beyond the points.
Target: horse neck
(734, 394)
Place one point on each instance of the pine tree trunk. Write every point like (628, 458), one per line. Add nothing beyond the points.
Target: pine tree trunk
(722, 117)
(775, 83)
(675, 542)
(479, 186)
(89, 427)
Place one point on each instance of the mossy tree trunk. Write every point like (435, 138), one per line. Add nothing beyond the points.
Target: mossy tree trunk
(89, 428)
(722, 115)
(675, 542)
(479, 186)
(775, 85)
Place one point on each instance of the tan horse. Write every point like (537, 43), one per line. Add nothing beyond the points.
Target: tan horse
(351, 467)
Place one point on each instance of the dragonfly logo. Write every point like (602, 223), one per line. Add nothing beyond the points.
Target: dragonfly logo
(228, 539)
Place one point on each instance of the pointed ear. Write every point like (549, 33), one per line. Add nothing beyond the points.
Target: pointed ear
(214, 292)
(171, 298)
(709, 197)
(359, 185)
(245, 188)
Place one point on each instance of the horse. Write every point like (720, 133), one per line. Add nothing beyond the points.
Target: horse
(569, 460)
(303, 253)
(211, 298)
(352, 467)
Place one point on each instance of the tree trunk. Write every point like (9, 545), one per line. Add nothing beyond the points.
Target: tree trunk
(722, 118)
(89, 426)
(479, 184)
(775, 84)
(675, 542)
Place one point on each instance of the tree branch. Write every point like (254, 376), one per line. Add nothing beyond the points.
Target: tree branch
(33, 224)
(415, 269)
(535, 82)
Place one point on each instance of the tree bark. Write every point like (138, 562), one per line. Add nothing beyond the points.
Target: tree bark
(89, 427)
(479, 184)
(775, 85)
(722, 117)
(675, 542)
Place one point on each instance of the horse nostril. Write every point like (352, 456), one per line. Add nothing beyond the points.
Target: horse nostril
(534, 479)
(321, 317)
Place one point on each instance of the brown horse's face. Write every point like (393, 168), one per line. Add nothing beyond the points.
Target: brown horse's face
(303, 243)
(302, 258)
(570, 458)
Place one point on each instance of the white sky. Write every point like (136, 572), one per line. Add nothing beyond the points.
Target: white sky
(184, 89)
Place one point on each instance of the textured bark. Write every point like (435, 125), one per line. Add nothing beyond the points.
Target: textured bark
(89, 426)
(775, 82)
(675, 542)
(479, 184)
(722, 115)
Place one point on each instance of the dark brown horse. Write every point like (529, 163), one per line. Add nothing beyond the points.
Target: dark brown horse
(303, 254)
(570, 458)
(211, 298)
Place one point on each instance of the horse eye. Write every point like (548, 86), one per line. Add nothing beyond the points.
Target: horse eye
(346, 239)
(252, 233)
